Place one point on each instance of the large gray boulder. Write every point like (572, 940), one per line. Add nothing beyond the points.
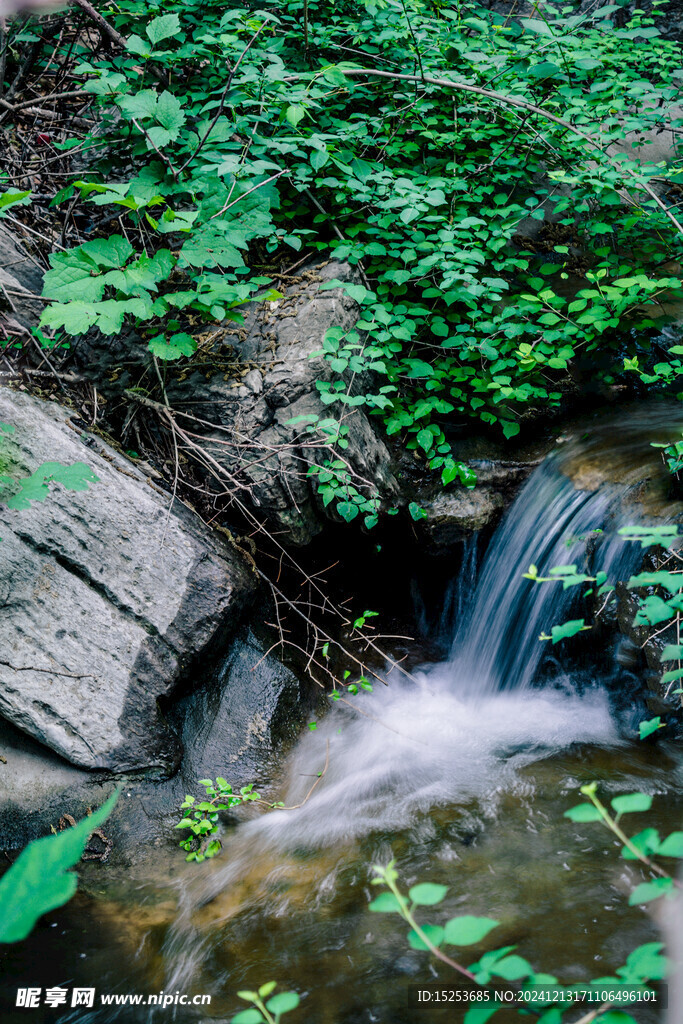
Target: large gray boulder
(234, 725)
(109, 598)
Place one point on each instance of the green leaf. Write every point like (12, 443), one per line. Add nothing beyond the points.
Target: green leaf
(139, 105)
(432, 931)
(632, 802)
(567, 629)
(348, 510)
(250, 1016)
(672, 846)
(648, 891)
(137, 45)
(646, 842)
(551, 1016)
(162, 28)
(265, 990)
(668, 677)
(69, 278)
(511, 429)
(385, 903)
(541, 28)
(283, 1002)
(114, 251)
(646, 729)
(427, 894)
(480, 1014)
(40, 879)
(294, 113)
(668, 580)
(583, 812)
(512, 967)
(615, 1017)
(468, 930)
(175, 347)
(169, 114)
(13, 197)
(319, 158)
(76, 477)
(645, 963)
(425, 439)
(335, 76)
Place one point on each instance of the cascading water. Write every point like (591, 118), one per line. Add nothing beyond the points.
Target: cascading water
(456, 732)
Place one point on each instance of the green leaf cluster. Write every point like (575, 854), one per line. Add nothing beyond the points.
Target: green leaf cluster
(201, 817)
(495, 247)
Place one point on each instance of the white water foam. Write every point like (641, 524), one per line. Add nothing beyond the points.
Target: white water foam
(425, 745)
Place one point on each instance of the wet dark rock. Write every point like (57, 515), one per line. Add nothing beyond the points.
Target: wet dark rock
(251, 705)
(37, 787)
(109, 600)
(452, 515)
(232, 725)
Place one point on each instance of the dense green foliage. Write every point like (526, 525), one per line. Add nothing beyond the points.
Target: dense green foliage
(482, 172)
(40, 879)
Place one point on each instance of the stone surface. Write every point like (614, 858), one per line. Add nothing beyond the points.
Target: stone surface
(649, 648)
(454, 514)
(108, 600)
(233, 725)
(457, 513)
(21, 281)
(37, 787)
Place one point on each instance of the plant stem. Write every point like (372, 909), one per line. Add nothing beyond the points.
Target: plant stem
(611, 824)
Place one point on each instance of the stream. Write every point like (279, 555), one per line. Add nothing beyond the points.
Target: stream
(461, 771)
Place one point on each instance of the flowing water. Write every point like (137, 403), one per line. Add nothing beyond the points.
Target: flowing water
(460, 770)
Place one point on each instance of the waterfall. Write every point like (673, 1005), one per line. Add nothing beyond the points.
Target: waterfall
(568, 512)
(496, 645)
(458, 732)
